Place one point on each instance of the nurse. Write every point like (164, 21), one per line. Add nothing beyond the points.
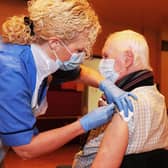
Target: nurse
(56, 36)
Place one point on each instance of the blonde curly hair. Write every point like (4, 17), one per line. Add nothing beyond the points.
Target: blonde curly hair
(15, 31)
(65, 19)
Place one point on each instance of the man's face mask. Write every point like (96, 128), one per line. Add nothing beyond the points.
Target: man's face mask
(106, 68)
(75, 60)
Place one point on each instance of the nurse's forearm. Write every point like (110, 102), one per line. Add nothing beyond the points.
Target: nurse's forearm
(90, 76)
(49, 141)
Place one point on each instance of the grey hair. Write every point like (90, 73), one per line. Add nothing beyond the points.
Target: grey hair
(136, 42)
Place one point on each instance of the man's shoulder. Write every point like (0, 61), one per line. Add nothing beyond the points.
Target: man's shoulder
(148, 94)
(145, 88)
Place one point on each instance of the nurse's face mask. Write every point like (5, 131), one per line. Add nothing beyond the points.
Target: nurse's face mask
(74, 62)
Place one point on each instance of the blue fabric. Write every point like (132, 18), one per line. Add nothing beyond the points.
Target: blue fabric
(17, 83)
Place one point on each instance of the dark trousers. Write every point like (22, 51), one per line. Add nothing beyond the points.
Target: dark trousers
(153, 159)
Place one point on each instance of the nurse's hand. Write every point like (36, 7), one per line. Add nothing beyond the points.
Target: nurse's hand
(97, 117)
(117, 96)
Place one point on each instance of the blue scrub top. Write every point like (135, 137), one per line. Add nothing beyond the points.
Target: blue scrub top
(17, 84)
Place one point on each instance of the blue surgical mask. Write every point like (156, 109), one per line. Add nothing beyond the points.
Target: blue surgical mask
(106, 68)
(75, 60)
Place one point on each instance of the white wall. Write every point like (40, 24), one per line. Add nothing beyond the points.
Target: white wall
(91, 95)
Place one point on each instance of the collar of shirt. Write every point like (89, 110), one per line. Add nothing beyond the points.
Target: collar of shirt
(44, 64)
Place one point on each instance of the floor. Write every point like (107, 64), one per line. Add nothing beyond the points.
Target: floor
(62, 156)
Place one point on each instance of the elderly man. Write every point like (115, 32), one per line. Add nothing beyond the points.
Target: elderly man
(144, 136)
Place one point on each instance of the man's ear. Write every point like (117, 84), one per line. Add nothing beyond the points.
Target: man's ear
(129, 58)
(54, 43)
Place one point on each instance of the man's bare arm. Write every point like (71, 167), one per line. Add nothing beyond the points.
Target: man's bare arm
(113, 145)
